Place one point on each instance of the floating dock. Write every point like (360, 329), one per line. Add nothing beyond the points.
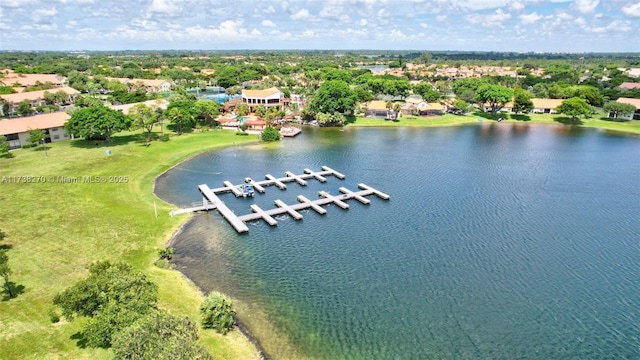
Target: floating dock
(210, 200)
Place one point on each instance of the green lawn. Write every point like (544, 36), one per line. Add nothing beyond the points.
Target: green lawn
(598, 121)
(55, 229)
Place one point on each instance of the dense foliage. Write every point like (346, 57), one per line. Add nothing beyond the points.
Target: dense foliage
(270, 134)
(575, 107)
(217, 313)
(113, 297)
(159, 336)
(97, 122)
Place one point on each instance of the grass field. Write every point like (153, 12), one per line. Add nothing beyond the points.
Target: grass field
(55, 229)
(598, 121)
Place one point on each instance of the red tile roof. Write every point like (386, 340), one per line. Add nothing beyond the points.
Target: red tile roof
(44, 121)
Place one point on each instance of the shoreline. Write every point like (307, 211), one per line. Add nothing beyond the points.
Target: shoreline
(237, 324)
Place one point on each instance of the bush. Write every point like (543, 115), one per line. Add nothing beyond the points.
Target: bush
(166, 253)
(270, 134)
(217, 313)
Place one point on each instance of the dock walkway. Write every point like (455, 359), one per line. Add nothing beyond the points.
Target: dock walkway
(211, 200)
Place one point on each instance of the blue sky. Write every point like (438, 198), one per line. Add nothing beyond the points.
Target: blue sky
(485, 25)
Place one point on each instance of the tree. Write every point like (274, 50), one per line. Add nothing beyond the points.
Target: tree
(159, 335)
(217, 313)
(4, 149)
(260, 110)
(428, 93)
(615, 109)
(5, 271)
(334, 96)
(143, 117)
(180, 117)
(35, 136)
(97, 122)
(574, 107)
(206, 111)
(270, 134)
(242, 109)
(113, 296)
(461, 105)
(522, 101)
(495, 95)
(24, 108)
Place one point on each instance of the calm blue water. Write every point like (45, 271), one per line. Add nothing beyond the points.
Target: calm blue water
(500, 241)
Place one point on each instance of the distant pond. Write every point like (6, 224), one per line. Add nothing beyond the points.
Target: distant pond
(500, 241)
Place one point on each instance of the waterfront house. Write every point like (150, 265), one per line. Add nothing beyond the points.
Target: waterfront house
(630, 101)
(271, 97)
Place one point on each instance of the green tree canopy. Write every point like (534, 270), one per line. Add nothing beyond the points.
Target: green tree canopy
(159, 336)
(143, 117)
(217, 313)
(4, 149)
(522, 101)
(495, 95)
(270, 134)
(334, 96)
(206, 111)
(97, 122)
(574, 107)
(5, 271)
(428, 93)
(36, 136)
(113, 296)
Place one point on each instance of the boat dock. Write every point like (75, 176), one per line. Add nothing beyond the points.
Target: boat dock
(211, 201)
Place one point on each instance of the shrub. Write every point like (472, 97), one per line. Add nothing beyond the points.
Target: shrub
(217, 313)
(270, 134)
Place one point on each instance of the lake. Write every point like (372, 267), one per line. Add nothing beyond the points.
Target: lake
(500, 241)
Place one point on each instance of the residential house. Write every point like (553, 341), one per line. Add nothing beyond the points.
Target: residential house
(629, 86)
(633, 72)
(254, 123)
(630, 101)
(271, 97)
(162, 104)
(150, 85)
(17, 130)
(23, 80)
(540, 106)
(430, 109)
(378, 109)
(36, 98)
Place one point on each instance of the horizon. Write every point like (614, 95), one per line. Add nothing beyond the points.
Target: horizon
(513, 26)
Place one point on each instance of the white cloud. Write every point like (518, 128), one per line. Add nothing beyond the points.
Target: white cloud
(255, 32)
(301, 15)
(268, 23)
(45, 12)
(619, 25)
(16, 3)
(441, 17)
(489, 20)
(517, 6)
(71, 24)
(532, 18)
(363, 22)
(424, 25)
(164, 6)
(632, 10)
(270, 10)
(586, 6)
